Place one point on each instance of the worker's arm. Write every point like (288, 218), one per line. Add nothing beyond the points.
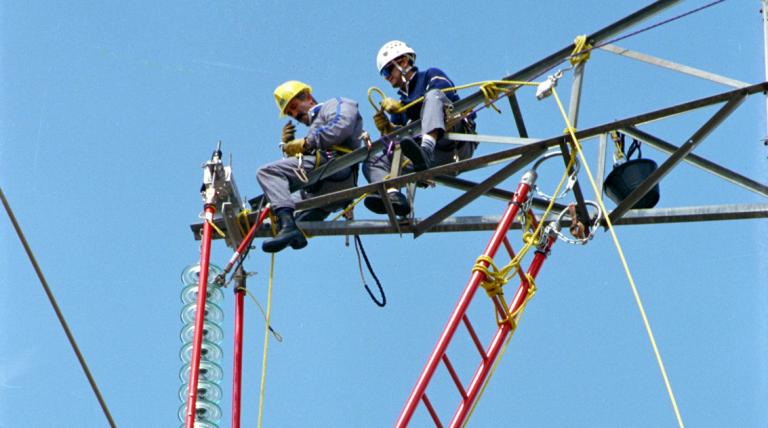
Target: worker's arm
(437, 79)
(337, 122)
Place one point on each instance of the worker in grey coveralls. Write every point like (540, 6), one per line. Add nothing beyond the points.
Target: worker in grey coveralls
(395, 62)
(333, 123)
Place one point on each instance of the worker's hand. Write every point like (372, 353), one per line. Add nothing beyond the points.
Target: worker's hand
(295, 147)
(382, 123)
(391, 105)
(289, 132)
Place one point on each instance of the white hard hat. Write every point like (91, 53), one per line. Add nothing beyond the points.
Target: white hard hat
(392, 50)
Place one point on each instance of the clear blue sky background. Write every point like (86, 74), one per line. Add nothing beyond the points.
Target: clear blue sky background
(109, 108)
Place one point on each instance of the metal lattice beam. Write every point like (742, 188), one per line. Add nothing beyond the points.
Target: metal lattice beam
(486, 223)
(732, 97)
(698, 161)
(676, 157)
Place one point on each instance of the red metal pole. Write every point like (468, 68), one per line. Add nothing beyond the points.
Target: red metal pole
(237, 365)
(246, 241)
(498, 340)
(521, 195)
(202, 290)
(238, 347)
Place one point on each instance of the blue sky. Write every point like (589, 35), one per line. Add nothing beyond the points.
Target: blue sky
(109, 109)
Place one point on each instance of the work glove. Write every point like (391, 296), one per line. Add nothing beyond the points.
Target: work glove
(295, 147)
(382, 123)
(289, 132)
(391, 105)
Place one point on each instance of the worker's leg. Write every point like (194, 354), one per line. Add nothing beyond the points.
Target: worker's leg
(375, 169)
(432, 127)
(433, 114)
(276, 179)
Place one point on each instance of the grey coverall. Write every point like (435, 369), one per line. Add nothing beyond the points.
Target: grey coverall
(378, 166)
(335, 122)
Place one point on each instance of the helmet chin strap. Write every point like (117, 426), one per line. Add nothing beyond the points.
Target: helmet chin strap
(403, 72)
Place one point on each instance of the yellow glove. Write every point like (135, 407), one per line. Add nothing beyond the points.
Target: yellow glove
(391, 105)
(289, 132)
(382, 123)
(295, 147)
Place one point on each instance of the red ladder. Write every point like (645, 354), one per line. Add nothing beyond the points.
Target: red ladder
(488, 356)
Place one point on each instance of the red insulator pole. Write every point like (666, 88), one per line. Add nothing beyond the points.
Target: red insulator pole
(520, 197)
(244, 243)
(462, 412)
(202, 290)
(238, 347)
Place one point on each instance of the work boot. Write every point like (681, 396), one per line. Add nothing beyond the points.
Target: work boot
(420, 156)
(399, 203)
(288, 234)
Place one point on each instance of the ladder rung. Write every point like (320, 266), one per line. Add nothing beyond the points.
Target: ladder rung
(509, 248)
(475, 339)
(455, 376)
(431, 410)
(511, 252)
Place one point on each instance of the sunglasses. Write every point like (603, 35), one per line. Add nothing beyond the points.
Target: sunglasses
(387, 70)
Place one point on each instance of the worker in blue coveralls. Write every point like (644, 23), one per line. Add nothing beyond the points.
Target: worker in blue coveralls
(395, 62)
(333, 124)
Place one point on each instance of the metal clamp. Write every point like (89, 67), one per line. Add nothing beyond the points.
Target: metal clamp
(299, 170)
(544, 89)
(593, 227)
(571, 178)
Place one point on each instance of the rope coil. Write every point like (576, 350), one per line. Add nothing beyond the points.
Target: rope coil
(493, 283)
(581, 50)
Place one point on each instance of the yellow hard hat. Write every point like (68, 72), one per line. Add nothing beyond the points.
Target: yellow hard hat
(286, 91)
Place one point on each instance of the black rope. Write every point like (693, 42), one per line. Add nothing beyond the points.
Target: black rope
(359, 249)
(635, 147)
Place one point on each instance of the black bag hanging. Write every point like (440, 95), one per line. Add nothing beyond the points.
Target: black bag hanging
(627, 176)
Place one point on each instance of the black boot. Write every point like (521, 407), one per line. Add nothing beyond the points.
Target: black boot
(419, 155)
(399, 203)
(288, 233)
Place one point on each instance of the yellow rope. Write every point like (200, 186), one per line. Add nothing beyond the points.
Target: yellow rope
(266, 339)
(242, 220)
(618, 150)
(273, 226)
(491, 89)
(513, 323)
(275, 334)
(216, 228)
(494, 280)
(351, 206)
(513, 318)
(581, 50)
(576, 144)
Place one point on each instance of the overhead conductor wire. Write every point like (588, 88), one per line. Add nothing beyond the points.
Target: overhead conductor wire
(56, 309)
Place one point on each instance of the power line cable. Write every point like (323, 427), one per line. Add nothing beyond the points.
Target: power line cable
(59, 314)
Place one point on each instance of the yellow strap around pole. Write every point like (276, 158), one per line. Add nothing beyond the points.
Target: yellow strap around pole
(647, 324)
